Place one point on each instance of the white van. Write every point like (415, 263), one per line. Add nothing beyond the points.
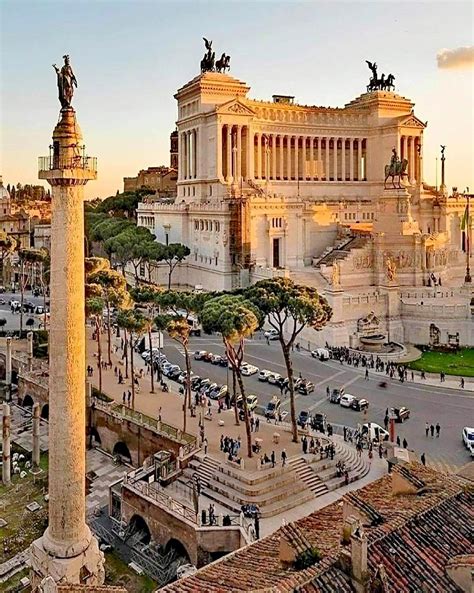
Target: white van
(321, 353)
(374, 432)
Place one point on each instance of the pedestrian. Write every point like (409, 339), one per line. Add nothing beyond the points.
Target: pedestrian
(328, 391)
(283, 458)
(462, 383)
(205, 446)
(257, 424)
(115, 371)
(124, 397)
(345, 433)
(366, 374)
(423, 376)
(159, 414)
(380, 451)
(438, 428)
(432, 428)
(222, 442)
(304, 444)
(405, 443)
(423, 459)
(272, 458)
(427, 428)
(398, 441)
(129, 397)
(386, 421)
(412, 376)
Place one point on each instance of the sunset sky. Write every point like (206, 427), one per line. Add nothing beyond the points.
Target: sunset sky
(131, 56)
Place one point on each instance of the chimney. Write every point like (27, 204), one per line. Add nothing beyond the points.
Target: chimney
(359, 560)
(288, 553)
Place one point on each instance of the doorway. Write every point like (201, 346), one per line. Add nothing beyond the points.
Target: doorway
(276, 253)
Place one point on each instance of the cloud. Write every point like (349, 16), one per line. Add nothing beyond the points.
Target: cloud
(461, 57)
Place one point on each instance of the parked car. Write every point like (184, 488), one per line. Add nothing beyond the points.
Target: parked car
(321, 353)
(304, 418)
(223, 362)
(336, 395)
(3, 302)
(199, 354)
(204, 384)
(249, 369)
(400, 414)
(263, 375)
(273, 407)
(346, 400)
(305, 387)
(219, 392)
(252, 402)
(195, 382)
(207, 356)
(272, 334)
(216, 359)
(359, 404)
(319, 422)
(468, 438)
(274, 378)
(174, 373)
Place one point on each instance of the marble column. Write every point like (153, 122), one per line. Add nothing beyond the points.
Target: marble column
(334, 149)
(303, 158)
(403, 148)
(351, 158)
(259, 155)
(411, 153)
(327, 174)
(29, 337)
(238, 173)
(274, 157)
(288, 157)
(67, 549)
(359, 154)
(343, 158)
(6, 468)
(297, 156)
(219, 174)
(185, 155)
(281, 166)
(229, 154)
(35, 458)
(250, 154)
(195, 152)
(318, 168)
(311, 158)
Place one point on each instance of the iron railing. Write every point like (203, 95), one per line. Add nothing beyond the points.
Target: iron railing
(50, 163)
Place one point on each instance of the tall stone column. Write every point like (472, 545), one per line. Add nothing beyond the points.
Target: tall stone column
(250, 154)
(411, 153)
(327, 175)
(351, 159)
(67, 551)
(273, 157)
(334, 149)
(303, 158)
(6, 469)
(8, 365)
(229, 154)
(343, 158)
(219, 174)
(259, 156)
(318, 170)
(297, 162)
(35, 459)
(288, 157)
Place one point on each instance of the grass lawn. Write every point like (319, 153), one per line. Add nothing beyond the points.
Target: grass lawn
(117, 573)
(23, 526)
(461, 364)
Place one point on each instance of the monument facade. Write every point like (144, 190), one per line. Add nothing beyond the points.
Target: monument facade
(67, 551)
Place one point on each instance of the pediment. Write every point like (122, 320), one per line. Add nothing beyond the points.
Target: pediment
(413, 122)
(235, 107)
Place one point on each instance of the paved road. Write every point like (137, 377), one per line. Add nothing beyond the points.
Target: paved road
(452, 408)
(13, 319)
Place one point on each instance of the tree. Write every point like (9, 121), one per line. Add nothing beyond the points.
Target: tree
(148, 297)
(173, 254)
(113, 291)
(289, 308)
(135, 324)
(8, 245)
(235, 318)
(28, 259)
(94, 309)
(179, 307)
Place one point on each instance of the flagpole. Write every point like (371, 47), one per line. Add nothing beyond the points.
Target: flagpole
(467, 278)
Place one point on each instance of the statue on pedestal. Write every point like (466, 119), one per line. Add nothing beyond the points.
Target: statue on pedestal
(396, 168)
(336, 275)
(66, 83)
(208, 61)
(379, 84)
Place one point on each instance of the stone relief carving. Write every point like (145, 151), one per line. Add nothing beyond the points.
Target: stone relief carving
(363, 262)
(369, 323)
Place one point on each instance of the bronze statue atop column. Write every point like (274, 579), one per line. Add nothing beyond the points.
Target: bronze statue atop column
(66, 83)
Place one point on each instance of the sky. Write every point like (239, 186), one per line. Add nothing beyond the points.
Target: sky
(130, 57)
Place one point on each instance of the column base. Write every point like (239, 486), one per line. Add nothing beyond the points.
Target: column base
(87, 568)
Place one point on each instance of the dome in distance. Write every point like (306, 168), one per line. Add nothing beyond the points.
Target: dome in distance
(4, 195)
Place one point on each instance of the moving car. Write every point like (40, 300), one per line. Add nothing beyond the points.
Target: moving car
(274, 378)
(346, 400)
(263, 375)
(336, 395)
(248, 369)
(304, 418)
(199, 354)
(359, 404)
(468, 438)
(321, 353)
(319, 422)
(216, 359)
(271, 334)
(273, 407)
(207, 356)
(400, 414)
(305, 387)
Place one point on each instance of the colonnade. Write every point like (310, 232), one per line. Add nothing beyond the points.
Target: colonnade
(188, 154)
(410, 148)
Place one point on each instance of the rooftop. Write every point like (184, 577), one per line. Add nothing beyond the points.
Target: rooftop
(416, 521)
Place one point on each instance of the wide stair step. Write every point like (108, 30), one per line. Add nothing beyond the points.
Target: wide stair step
(305, 473)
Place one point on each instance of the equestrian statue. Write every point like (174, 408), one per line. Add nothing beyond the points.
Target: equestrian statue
(379, 84)
(223, 64)
(209, 64)
(397, 168)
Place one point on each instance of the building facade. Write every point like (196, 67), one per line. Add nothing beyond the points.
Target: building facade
(276, 188)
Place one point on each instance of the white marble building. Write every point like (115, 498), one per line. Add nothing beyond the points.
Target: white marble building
(276, 188)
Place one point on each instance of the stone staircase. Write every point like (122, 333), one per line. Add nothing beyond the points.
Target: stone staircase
(341, 251)
(279, 489)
